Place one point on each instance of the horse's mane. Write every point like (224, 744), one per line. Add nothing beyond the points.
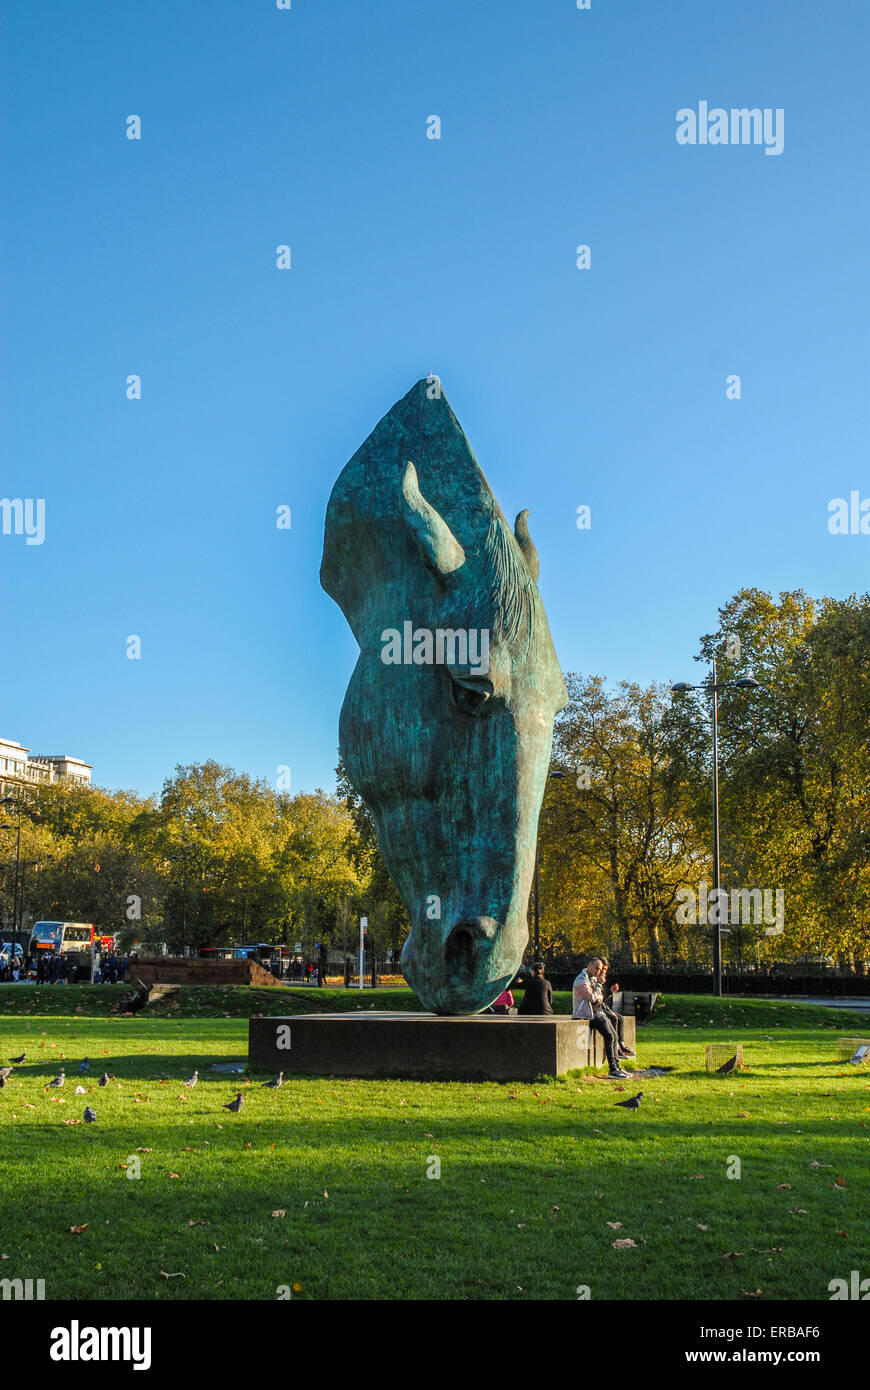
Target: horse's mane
(510, 597)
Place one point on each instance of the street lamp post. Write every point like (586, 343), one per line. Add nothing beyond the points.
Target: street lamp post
(183, 855)
(556, 772)
(12, 801)
(25, 865)
(714, 686)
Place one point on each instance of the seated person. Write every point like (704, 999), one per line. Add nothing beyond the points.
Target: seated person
(503, 1004)
(538, 997)
(588, 998)
(616, 1020)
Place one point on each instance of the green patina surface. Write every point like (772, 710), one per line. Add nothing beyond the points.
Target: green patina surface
(447, 724)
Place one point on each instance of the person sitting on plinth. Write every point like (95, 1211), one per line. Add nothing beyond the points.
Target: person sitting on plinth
(615, 1020)
(588, 1004)
(538, 997)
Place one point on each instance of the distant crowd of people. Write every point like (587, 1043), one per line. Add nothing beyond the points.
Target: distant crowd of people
(111, 969)
(14, 970)
(54, 968)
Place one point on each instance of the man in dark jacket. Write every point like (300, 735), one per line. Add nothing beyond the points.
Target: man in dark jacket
(538, 998)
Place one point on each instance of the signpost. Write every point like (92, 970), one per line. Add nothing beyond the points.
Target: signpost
(363, 928)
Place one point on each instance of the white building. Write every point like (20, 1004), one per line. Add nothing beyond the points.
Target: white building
(19, 766)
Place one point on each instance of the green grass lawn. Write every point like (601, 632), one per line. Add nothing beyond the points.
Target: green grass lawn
(324, 1184)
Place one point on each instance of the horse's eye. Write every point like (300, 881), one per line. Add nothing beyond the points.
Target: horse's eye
(470, 697)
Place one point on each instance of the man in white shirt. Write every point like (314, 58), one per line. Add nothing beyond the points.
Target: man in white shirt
(588, 998)
(615, 1019)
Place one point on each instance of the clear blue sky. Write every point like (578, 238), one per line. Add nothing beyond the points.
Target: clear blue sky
(604, 387)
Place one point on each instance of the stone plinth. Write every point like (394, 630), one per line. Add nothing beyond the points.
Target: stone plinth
(476, 1047)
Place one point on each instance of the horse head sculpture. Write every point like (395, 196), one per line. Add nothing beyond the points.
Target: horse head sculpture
(447, 724)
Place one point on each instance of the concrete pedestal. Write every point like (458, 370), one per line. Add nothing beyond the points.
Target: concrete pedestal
(478, 1047)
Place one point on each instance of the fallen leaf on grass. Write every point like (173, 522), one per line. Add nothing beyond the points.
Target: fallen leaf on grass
(198, 1223)
(179, 1275)
(783, 1187)
(172, 1175)
(279, 1212)
(615, 1225)
(798, 1211)
(144, 1150)
(839, 1182)
(624, 1244)
(700, 1227)
(752, 1293)
(732, 1255)
(77, 1230)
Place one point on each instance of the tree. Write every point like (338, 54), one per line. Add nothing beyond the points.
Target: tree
(618, 842)
(796, 758)
(388, 916)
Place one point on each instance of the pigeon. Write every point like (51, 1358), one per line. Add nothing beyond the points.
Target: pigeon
(235, 1105)
(727, 1066)
(80, 1091)
(633, 1104)
(275, 1082)
(18, 1060)
(5, 1073)
(90, 1114)
(84, 1065)
(191, 1081)
(104, 1079)
(58, 1081)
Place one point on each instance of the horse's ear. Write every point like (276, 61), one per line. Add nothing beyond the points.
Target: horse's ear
(439, 547)
(527, 545)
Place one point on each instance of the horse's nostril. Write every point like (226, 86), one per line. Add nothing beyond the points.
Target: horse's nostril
(459, 952)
